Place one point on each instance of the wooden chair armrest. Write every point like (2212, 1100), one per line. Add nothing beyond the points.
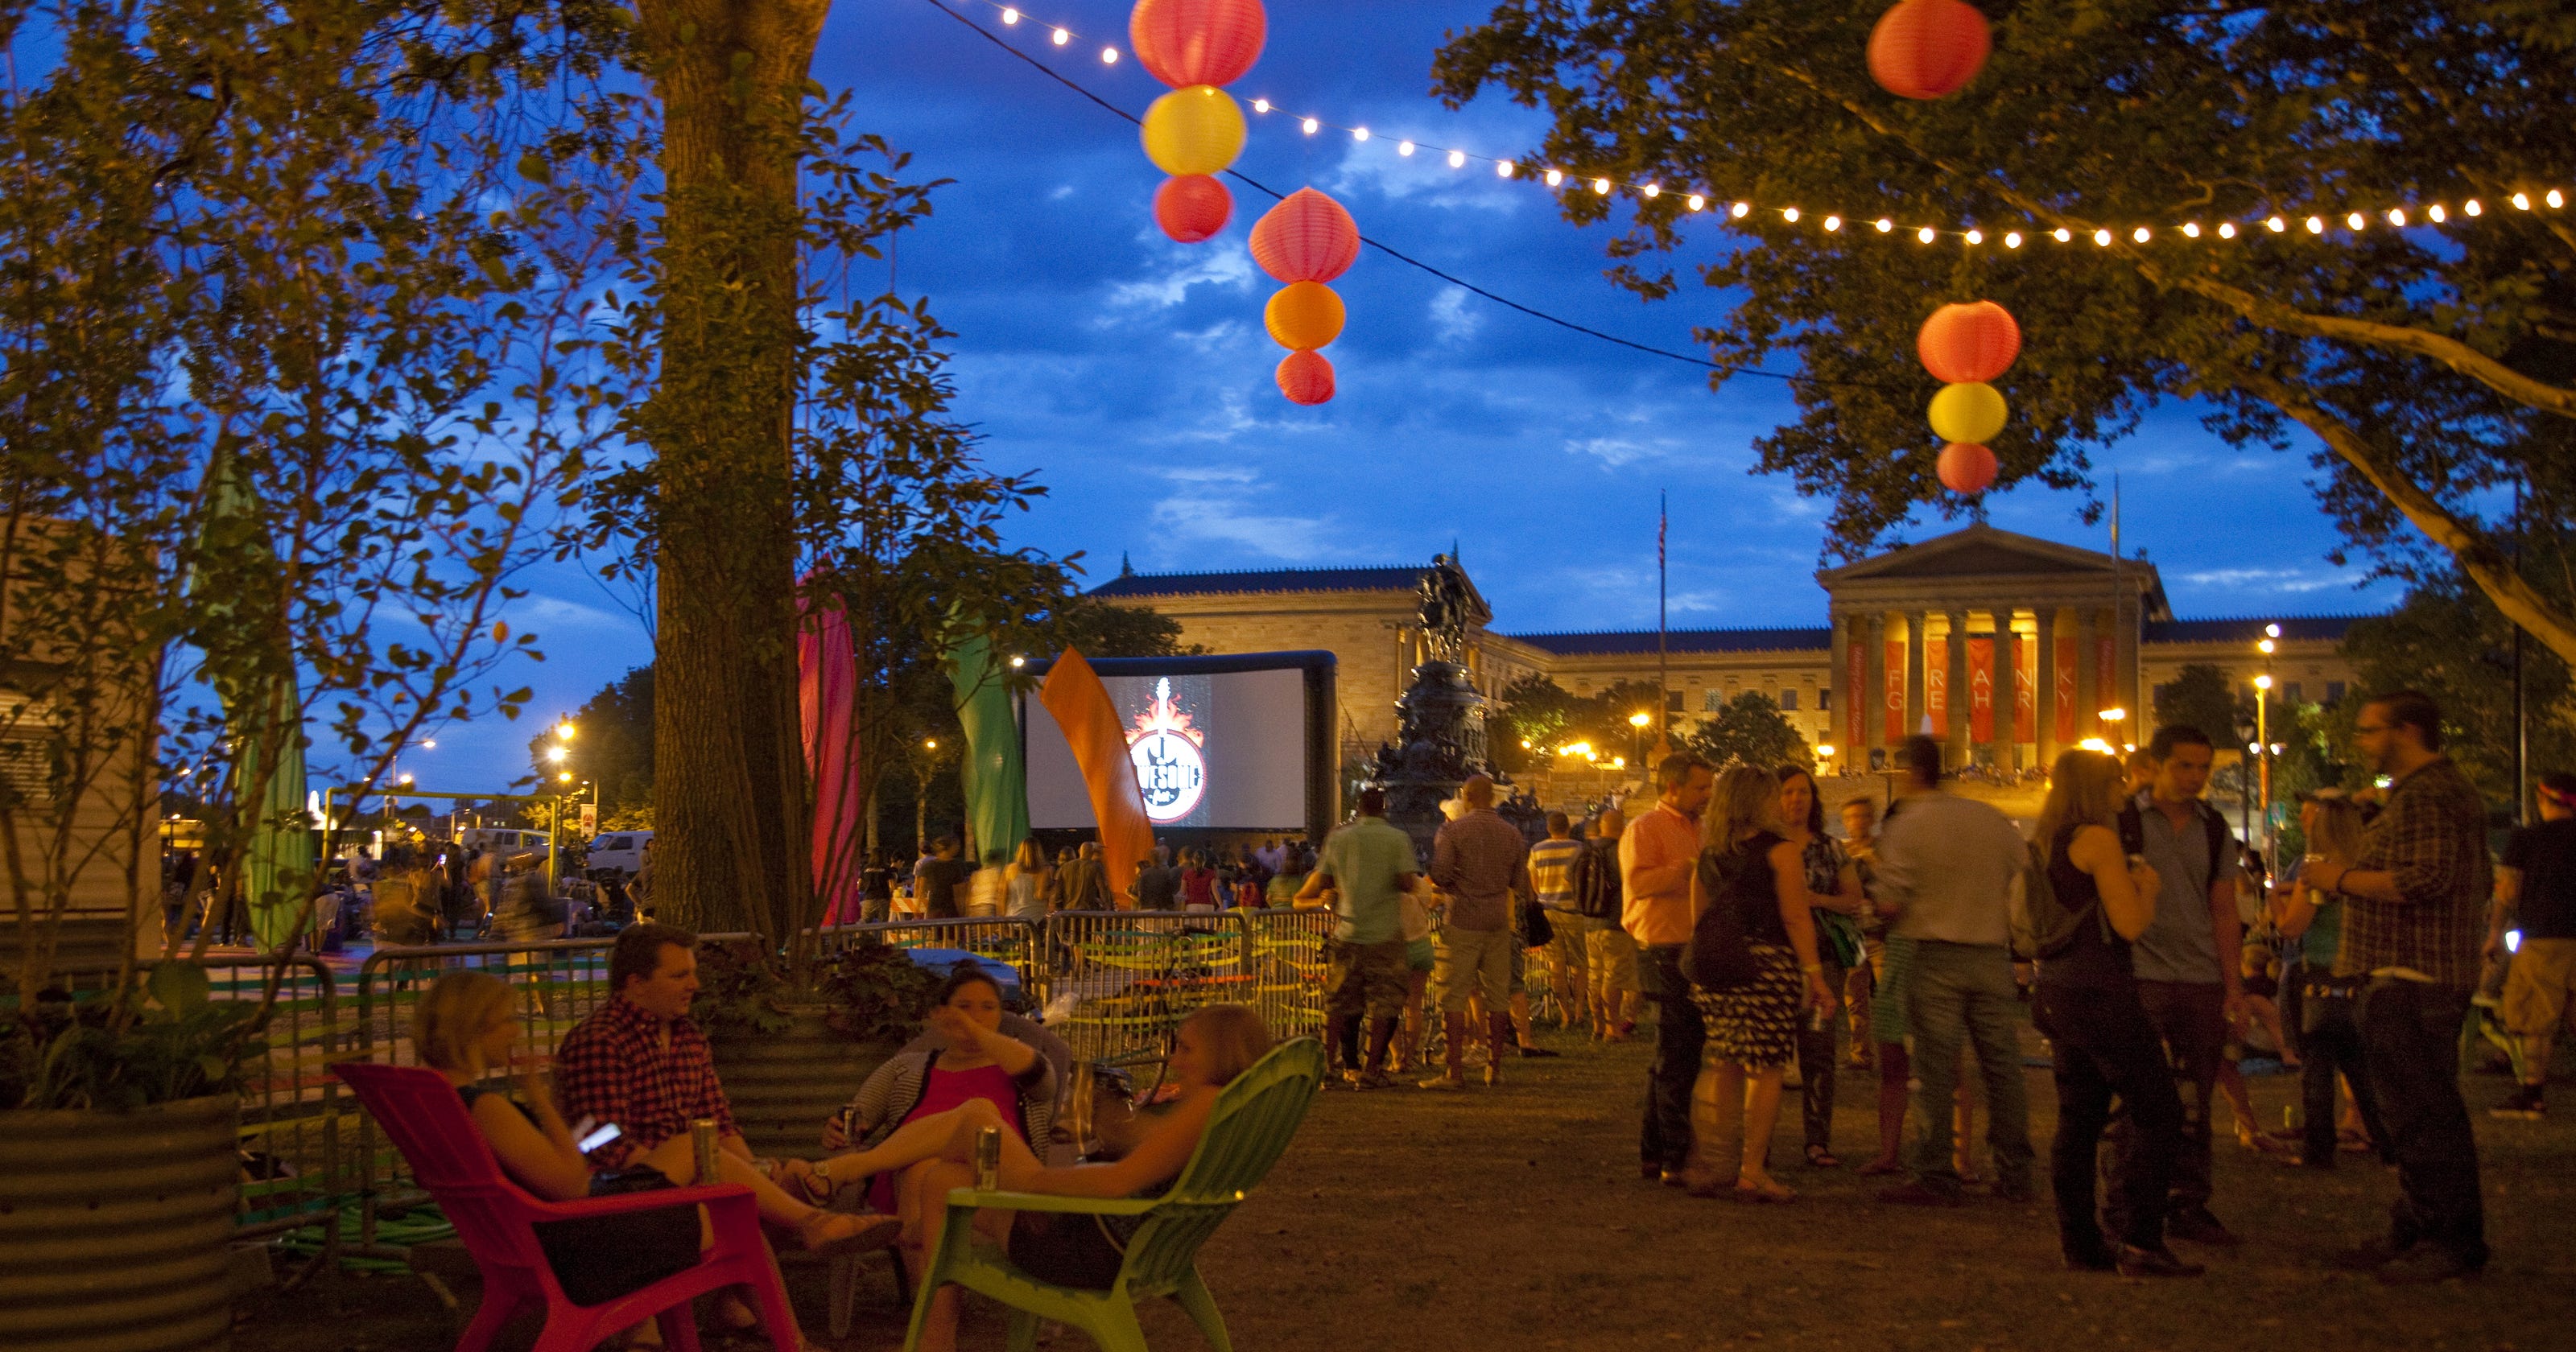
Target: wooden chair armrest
(971, 1199)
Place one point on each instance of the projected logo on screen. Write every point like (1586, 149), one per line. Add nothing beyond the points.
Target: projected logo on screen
(1164, 745)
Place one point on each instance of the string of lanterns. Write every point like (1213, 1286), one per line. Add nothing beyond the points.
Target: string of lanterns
(1914, 61)
(1195, 132)
(1305, 241)
(1965, 346)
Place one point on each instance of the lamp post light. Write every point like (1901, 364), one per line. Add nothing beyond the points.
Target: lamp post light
(2263, 748)
(1637, 741)
(1824, 754)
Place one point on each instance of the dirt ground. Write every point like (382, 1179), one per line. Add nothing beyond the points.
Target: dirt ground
(1514, 1218)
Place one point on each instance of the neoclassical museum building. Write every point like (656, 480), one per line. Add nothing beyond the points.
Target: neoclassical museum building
(2005, 646)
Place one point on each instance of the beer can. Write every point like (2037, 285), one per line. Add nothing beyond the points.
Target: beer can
(702, 1145)
(988, 1158)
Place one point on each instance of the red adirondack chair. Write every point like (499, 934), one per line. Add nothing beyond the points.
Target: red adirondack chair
(427, 1120)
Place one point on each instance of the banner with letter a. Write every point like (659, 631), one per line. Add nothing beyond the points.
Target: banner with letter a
(1981, 689)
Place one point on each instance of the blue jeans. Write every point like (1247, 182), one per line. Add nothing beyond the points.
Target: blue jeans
(2410, 1039)
(1964, 994)
(1680, 1036)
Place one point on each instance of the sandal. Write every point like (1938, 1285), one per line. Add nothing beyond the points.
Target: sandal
(836, 1232)
(1766, 1192)
(1818, 1157)
(798, 1179)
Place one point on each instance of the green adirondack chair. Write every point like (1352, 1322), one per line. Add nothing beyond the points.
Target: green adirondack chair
(1254, 1119)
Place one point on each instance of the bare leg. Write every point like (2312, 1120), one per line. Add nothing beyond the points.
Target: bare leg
(2231, 1086)
(920, 1139)
(1415, 983)
(1761, 1115)
(931, 1184)
(1895, 1068)
(675, 1158)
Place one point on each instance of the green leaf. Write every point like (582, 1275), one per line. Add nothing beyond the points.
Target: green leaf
(533, 167)
(182, 988)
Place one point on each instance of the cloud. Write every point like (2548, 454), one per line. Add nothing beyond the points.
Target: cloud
(1222, 505)
(2287, 580)
(1617, 452)
(1208, 266)
(1450, 316)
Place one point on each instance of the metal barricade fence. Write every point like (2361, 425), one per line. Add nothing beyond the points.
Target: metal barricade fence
(1124, 980)
(1013, 940)
(1287, 953)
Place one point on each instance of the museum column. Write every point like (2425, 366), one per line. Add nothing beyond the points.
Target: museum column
(1962, 694)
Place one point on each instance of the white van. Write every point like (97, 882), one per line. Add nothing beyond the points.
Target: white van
(503, 839)
(617, 853)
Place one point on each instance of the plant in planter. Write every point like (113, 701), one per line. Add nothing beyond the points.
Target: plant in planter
(791, 1056)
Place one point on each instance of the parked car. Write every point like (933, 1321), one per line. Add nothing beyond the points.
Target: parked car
(502, 839)
(617, 854)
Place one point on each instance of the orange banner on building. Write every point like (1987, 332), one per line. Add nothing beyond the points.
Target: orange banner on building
(1082, 707)
(1856, 694)
(2064, 674)
(1981, 689)
(1895, 697)
(1936, 685)
(2025, 726)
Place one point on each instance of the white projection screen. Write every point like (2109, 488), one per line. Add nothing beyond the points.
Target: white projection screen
(1231, 742)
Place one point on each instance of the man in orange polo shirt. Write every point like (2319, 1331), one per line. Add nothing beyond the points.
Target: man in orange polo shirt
(1656, 859)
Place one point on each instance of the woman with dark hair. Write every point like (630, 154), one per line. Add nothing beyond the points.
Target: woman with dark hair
(1198, 882)
(907, 1110)
(1833, 896)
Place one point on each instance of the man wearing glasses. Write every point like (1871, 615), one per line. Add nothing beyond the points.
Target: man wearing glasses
(2417, 894)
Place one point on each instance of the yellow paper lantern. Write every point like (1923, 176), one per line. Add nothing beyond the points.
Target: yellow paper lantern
(1197, 130)
(1967, 413)
(1303, 316)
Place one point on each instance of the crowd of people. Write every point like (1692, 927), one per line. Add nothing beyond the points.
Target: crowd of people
(1757, 937)
(413, 893)
(943, 885)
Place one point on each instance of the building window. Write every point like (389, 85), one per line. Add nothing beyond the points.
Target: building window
(1788, 699)
(2290, 691)
(1824, 698)
(1712, 701)
(2334, 691)
(1673, 702)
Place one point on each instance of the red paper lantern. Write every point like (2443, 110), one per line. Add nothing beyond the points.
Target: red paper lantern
(1306, 378)
(1965, 467)
(1968, 344)
(1188, 42)
(1928, 49)
(1308, 237)
(1192, 207)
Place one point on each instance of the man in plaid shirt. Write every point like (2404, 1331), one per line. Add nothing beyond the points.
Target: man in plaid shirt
(2417, 895)
(639, 1061)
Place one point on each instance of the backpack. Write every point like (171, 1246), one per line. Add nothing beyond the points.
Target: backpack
(1594, 875)
(2042, 926)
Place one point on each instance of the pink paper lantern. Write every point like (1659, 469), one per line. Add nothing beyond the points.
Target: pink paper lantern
(1928, 49)
(1192, 42)
(1308, 237)
(1192, 207)
(1306, 378)
(1965, 467)
(1968, 344)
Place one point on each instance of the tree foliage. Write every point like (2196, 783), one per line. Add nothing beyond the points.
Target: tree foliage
(1749, 730)
(2199, 696)
(2434, 364)
(2445, 641)
(1536, 710)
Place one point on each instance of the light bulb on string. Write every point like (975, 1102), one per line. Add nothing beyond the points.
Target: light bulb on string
(2061, 234)
(2555, 198)
(2227, 229)
(2276, 225)
(2141, 234)
(2522, 201)
(2436, 214)
(1651, 191)
(2012, 239)
(1457, 159)
(1503, 169)
(2316, 225)
(1601, 187)
(1555, 176)
(1404, 147)
(1010, 17)
(1696, 202)
(1359, 133)
(1060, 37)
(1740, 210)
(1261, 105)
(2356, 221)
(1833, 223)
(2191, 230)
(2472, 208)
(1109, 56)
(2102, 239)
(1789, 214)
(1884, 225)
(1924, 235)
(1310, 126)
(1976, 237)
(2397, 215)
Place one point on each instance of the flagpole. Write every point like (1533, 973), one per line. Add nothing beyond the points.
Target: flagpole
(1663, 656)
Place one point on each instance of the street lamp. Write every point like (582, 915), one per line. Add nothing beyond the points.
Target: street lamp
(2262, 738)
(1637, 740)
(564, 730)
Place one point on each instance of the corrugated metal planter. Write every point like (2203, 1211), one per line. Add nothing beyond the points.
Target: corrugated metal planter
(114, 1228)
(782, 1085)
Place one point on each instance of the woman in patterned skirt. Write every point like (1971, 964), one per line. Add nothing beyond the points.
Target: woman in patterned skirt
(1745, 864)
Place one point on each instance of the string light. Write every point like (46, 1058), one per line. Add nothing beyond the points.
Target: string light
(2356, 219)
(1789, 214)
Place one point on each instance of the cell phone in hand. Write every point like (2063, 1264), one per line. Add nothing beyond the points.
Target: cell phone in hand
(607, 1133)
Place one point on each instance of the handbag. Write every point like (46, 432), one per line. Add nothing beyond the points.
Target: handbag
(1537, 931)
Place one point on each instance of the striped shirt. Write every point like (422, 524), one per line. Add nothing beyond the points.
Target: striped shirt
(1551, 870)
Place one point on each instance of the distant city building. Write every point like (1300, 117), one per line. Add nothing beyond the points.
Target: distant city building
(2040, 640)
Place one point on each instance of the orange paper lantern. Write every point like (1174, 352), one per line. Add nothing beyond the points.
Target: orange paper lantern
(1303, 315)
(1187, 42)
(1965, 467)
(1306, 378)
(1308, 237)
(1192, 207)
(1928, 49)
(1967, 344)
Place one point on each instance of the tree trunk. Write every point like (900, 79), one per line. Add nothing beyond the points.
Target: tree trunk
(730, 793)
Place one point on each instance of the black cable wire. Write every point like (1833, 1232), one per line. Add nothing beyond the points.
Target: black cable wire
(1408, 260)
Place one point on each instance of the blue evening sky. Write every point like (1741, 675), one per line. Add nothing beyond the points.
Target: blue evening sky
(1132, 374)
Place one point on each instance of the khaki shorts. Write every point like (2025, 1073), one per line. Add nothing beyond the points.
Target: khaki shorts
(1565, 951)
(1610, 958)
(1466, 959)
(2536, 990)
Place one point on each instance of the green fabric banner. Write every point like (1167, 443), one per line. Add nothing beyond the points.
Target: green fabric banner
(996, 783)
(277, 858)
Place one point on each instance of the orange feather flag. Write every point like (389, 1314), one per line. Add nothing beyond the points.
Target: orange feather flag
(1082, 707)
